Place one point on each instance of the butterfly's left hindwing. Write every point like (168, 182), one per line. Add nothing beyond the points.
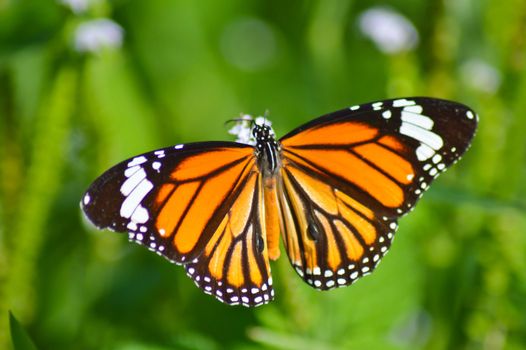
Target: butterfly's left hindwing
(234, 266)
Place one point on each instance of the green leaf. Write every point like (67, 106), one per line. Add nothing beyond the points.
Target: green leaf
(19, 336)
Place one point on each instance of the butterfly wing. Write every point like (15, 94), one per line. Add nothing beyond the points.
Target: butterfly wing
(348, 176)
(195, 204)
(234, 266)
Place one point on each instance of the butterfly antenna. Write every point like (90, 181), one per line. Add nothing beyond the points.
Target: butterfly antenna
(235, 120)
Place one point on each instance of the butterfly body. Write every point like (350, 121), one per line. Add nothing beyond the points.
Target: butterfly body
(267, 151)
(333, 189)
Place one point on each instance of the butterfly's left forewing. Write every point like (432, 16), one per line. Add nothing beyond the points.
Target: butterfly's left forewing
(195, 204)
(348, 177)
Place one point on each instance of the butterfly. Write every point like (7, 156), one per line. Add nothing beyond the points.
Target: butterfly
(333, 189)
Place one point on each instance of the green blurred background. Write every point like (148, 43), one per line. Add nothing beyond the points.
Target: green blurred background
(455, 277)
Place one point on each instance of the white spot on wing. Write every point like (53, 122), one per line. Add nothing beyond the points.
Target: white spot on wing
(414, 109)
(130, 171)
(131, 183)
(425, 136)
(424, 152)
(417, 119)
(87, 199)
(179, 146)
(140, 215)
(403, 102)
(137, 161)
(134, 199)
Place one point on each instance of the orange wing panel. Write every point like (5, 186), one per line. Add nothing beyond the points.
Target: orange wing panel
(211, 195)
(363, 227)
(353, 248)
(173, 210)
(355, 204)
(392, 142)
(203, 164)
(393, 164)
(354, 170)
(333, 134)
(333, 253)
(165, 190)
(319, 192)
(217, 260)
(235, 270)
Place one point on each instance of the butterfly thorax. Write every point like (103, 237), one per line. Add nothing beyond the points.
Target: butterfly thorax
(268, 151)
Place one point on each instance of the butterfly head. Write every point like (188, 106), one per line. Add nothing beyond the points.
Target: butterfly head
(250, 130)
(262, 132)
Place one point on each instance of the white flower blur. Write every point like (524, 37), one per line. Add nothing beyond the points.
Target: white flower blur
(390, 31)
(97, 34)
(242, 129)
(480, 75)
(77, 6)
(249, 44)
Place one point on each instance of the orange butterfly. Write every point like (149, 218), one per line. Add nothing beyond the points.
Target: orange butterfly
(334, 188)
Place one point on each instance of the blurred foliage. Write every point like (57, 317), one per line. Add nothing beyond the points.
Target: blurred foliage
(21, 340)
(455, 277)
